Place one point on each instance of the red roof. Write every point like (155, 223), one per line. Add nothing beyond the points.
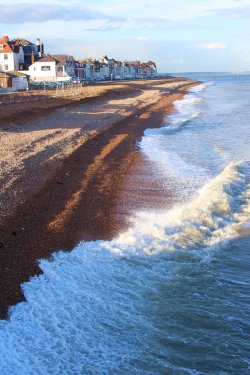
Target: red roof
(4, 41)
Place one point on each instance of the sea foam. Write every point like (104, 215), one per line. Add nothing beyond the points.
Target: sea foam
(148, 301)
(86, 312)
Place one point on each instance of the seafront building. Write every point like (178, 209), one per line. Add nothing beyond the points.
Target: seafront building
(22, 61)
(18, 54)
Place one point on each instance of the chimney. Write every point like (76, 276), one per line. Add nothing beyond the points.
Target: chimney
(38, 44)
(6, 38)
(42, 49)
(32, 57)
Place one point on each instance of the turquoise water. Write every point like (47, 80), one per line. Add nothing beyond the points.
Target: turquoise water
(171, 295)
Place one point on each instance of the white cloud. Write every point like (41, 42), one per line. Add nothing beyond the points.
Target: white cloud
(247, 59)
(169, 9)
(42, 13)
(177, 60)
(142, 38)
(238, 12)
(178, 35)
(212, 45)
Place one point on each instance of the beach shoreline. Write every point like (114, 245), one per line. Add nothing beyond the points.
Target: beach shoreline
(63, 168)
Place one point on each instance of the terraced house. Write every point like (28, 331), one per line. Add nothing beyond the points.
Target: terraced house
(18, 54)
(11, 55)
(65, 66)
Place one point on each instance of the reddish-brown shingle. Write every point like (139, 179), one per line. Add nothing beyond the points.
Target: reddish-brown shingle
(4, 41)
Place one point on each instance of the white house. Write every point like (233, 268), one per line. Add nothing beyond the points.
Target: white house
(30, 52)
(110, 66)
(44, 69)
(104, 71)
(117, 68)
(150, 69)
(18, 54)
(10, 55)
(132, 69)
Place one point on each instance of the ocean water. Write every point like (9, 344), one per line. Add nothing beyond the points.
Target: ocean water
(172, 294)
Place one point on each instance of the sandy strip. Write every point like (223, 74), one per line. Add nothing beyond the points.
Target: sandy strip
(63, 172)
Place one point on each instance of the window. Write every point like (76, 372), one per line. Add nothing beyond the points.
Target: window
(6, 67)
(59, 69)
(5, 56)
(1, 46)
(45, 68)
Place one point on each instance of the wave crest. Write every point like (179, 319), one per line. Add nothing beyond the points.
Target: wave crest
(219, 212)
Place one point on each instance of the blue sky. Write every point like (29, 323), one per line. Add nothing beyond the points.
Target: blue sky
(179, 35)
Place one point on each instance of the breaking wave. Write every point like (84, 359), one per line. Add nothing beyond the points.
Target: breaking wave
(86, 312)
(151, 301)
(186, 111)
(221, 211)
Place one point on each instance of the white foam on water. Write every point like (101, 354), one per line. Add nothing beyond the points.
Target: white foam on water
(219, 212)
(182, 175)
(72, 324)
(202, 86)
(85, 313)
(167, 162)
(185, 110)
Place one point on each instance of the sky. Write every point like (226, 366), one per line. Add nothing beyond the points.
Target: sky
(179, 35)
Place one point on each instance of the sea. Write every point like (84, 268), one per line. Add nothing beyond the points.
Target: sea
(170, 295)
